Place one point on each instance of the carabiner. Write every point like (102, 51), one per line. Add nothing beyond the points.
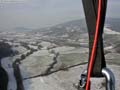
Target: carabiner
(110, 79)
(83, 79)
(107, 73)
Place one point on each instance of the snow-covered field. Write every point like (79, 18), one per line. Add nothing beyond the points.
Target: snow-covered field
(61, 62)
(109, 31)
(65, 80)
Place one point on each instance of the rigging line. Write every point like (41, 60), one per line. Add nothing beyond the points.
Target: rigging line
(94, 45)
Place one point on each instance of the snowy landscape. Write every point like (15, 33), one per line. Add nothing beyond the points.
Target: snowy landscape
(53, 58)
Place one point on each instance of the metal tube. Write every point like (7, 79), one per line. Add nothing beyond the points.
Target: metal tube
(110, 79)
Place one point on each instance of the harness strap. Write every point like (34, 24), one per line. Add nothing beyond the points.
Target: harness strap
(95, 11)
(99, 59)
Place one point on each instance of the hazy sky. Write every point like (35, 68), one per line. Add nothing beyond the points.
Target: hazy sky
(42, 13)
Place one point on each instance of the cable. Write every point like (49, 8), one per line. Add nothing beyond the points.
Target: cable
(94, 45)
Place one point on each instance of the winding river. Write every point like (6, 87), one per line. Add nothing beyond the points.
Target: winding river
(6, 63)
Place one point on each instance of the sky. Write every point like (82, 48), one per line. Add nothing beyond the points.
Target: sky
(43, 13)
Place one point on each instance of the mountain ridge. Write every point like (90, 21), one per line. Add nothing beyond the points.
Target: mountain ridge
(112, 23)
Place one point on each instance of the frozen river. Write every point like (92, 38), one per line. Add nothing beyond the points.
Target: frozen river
(6, 63)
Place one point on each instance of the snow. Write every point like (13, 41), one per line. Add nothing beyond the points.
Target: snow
(6, 63)
(41, 53)
(109, 31)
(43, 83)
(45, 44)
(21, 49)
(63, 48)
(64, 80)
(109, 47)
(32, 46)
